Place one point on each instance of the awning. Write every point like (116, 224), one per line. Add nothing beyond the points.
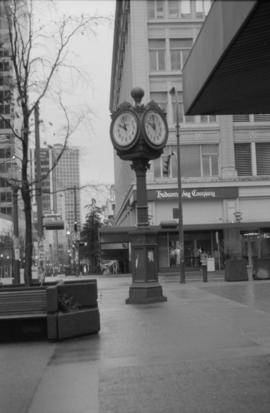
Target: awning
(116, 235)
(228, 69)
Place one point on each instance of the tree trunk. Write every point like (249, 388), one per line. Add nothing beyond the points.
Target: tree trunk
(28, 237)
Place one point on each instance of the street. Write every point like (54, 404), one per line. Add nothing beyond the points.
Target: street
(207, 349)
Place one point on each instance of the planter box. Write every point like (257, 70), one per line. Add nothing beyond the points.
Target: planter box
(261, 268)
(77, 323)
(236, 270)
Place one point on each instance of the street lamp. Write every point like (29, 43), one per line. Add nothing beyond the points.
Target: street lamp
(173, 92)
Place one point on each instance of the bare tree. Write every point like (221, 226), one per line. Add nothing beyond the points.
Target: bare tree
(31, 79)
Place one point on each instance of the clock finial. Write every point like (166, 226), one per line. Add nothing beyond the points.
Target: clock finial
(137, 94)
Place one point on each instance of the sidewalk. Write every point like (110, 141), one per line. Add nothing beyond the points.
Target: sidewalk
(207, 349)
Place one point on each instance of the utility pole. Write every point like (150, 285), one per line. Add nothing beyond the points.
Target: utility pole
(173, 92)
(39, 195)
(76, 235)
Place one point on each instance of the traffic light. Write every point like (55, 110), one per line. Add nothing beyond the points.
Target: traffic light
(238, 216)
(75, 226)
(166, 165)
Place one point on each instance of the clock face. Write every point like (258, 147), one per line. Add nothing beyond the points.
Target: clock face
(155, 128)
(124, 129)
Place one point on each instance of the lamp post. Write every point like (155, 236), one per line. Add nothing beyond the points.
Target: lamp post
(40, 232)
(173, 92)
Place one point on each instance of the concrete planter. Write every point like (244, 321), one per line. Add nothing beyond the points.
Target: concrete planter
(236, 270)
(77, 323)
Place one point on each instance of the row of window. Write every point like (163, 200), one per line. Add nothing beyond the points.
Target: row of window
(169, 105)
(195, 161)
(178, 52)
(177, 9)
(251, 159)
(258, 117)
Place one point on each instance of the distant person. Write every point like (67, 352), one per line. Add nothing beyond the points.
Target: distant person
(115, 268)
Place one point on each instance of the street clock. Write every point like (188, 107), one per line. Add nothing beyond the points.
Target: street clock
(124, 128)
(155, 127)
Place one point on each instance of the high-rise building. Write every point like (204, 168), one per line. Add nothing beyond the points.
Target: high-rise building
(6, 136)
(60, 188)
(224, 159)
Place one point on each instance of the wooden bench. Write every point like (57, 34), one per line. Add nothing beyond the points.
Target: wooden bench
(39, 308)
(24, 310)
(23, 303)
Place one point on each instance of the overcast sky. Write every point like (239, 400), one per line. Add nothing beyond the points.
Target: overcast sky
(92, 55)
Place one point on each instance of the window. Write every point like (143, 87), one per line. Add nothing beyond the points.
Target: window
(263, 158)
(4, 66)
(240, 118)
(208, 118)
(202, 7)
(262, 117)
(4, 52)
(5, 197)
(7, 211)
(179, 9)
(4, 124)
(157, 54)
(161, 99)
(173, 9)
(156, 9)
(3, 183)
(179, 51)
(5, 153)
(209, 160)
(243, 163)
(195, 161)
(190, 161)
(185, 8)
(4, 109)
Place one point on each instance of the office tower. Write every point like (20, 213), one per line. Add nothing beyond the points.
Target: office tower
(224, 159)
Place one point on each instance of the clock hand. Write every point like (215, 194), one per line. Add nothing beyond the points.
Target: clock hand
(153, 126)
(123, 126)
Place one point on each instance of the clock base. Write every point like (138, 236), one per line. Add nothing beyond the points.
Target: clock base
(145, 293)
(145, 287)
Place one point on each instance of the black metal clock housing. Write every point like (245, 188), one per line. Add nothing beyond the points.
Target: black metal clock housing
(154, 126)
(125, 128)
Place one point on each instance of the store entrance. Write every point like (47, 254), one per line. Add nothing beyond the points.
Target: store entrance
(195, 242)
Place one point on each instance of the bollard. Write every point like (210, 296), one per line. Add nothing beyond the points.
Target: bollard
(204, 272)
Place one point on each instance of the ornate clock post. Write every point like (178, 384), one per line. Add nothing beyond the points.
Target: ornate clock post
(139, 134)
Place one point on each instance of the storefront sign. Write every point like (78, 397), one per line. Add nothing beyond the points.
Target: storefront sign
(191, 194)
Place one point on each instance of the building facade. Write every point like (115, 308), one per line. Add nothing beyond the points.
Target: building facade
(60, 188)
(224, 159)
(7, 141)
